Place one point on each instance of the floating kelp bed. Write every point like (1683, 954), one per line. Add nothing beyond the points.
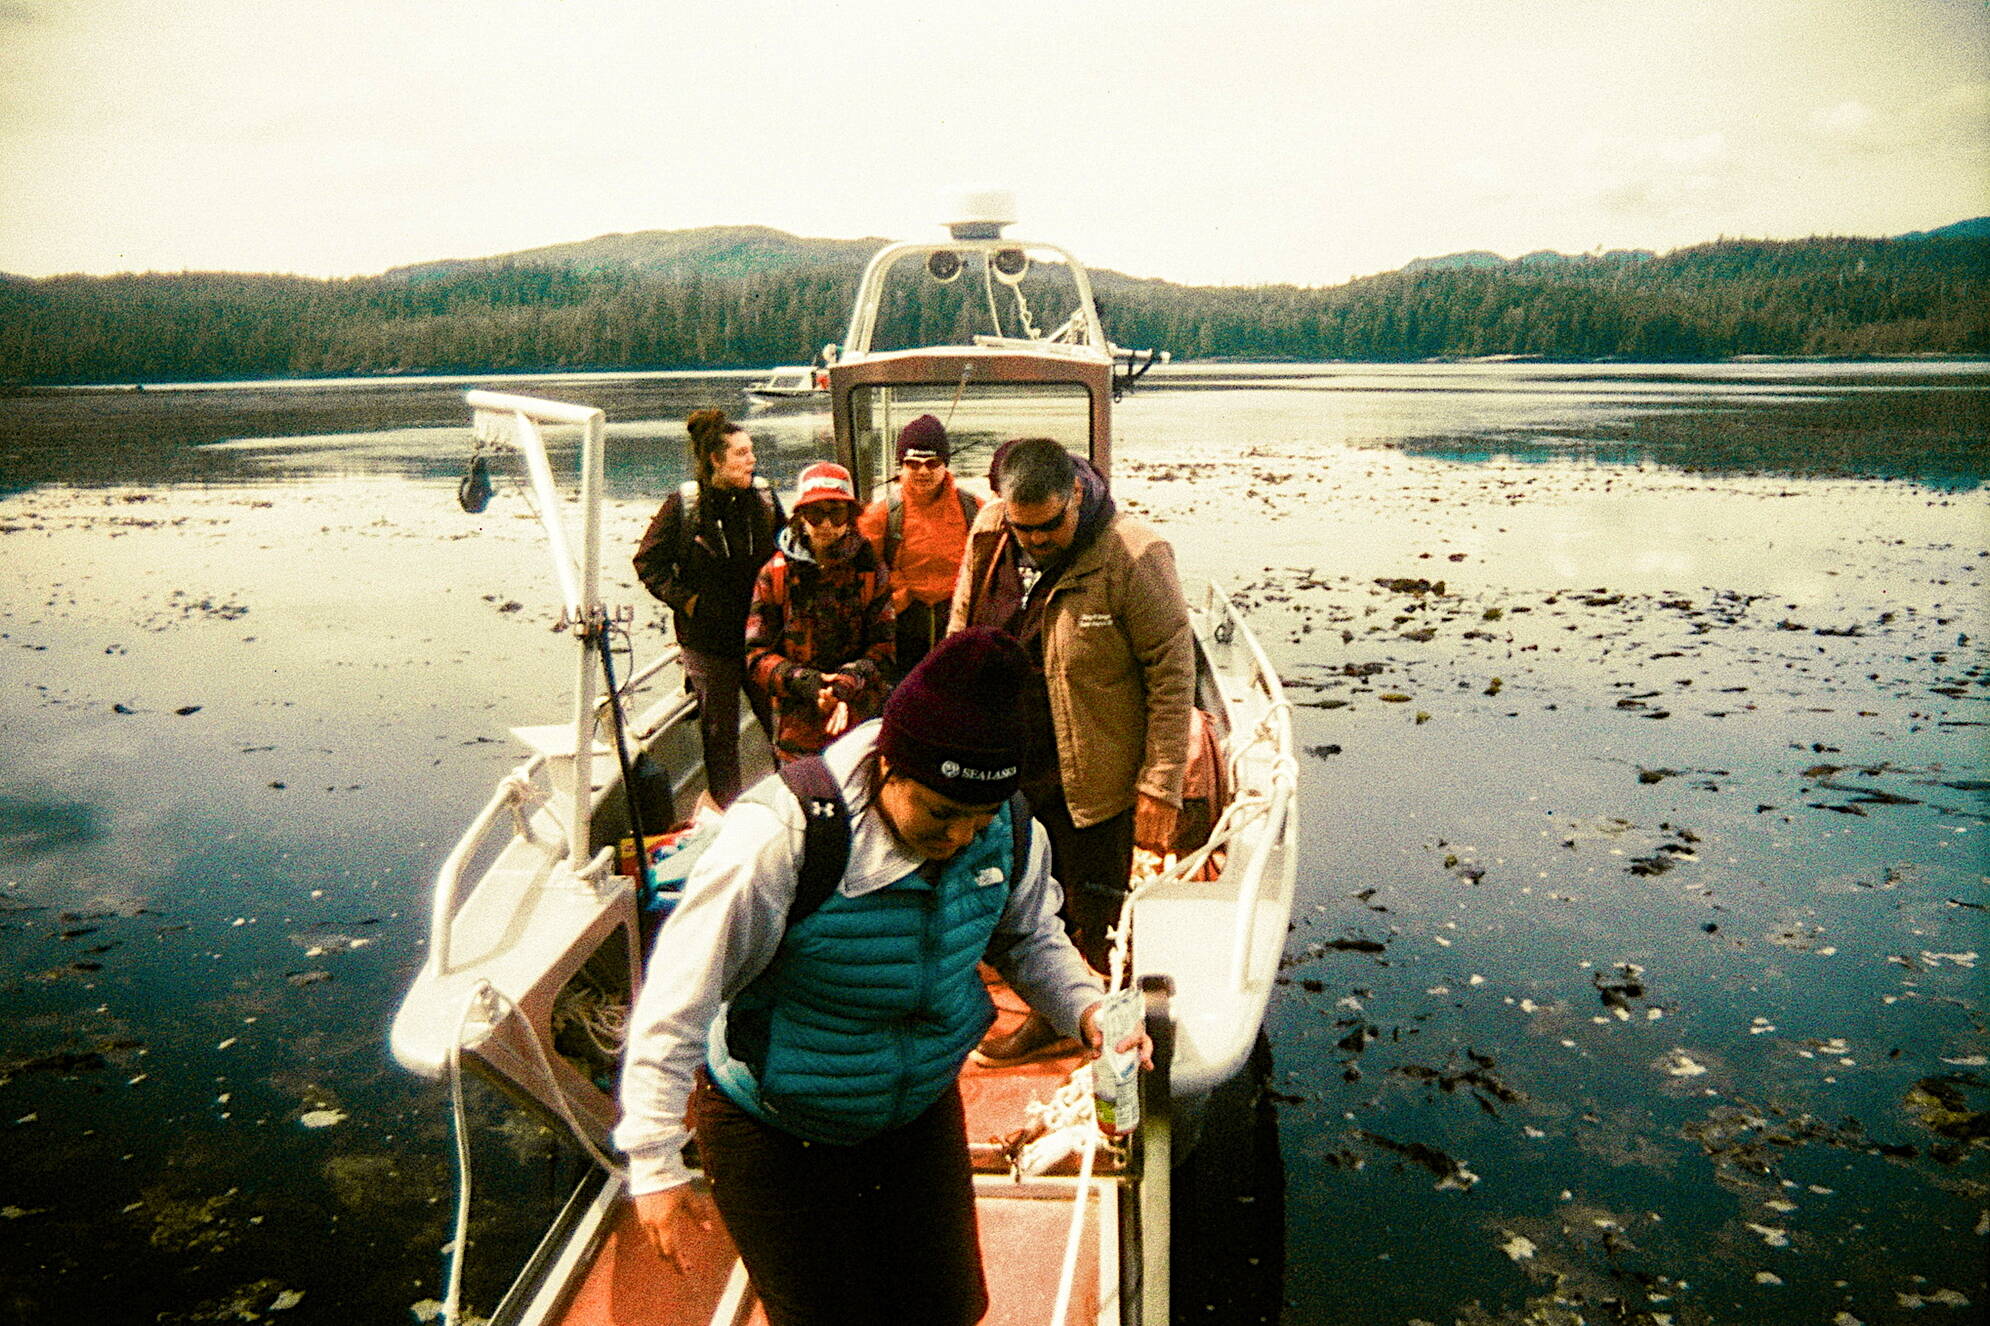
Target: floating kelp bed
(1663, 800)
(1669, 800)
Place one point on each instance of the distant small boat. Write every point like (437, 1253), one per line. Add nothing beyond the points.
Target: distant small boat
(791, 383)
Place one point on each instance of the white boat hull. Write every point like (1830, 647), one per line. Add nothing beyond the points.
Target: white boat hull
(531, 921)
(1220, 940)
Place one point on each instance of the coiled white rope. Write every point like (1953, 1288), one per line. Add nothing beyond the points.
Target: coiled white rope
(602, 1018)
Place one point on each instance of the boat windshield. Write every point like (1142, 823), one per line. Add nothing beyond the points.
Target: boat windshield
(979, 417)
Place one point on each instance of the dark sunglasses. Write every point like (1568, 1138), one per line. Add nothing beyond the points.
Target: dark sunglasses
(930, 463)
(825, 513)
(1041, 527)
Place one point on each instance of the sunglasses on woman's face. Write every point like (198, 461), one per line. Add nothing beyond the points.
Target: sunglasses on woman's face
(930, 463)
(825, 513)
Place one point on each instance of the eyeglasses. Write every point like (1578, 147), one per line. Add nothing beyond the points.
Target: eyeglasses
(825, 513)
(1042, 526)
(930, 463)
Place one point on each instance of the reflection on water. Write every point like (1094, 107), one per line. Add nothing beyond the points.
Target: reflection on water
(1926, 421)
(1228, 1201)
(1635, 973)
(415, 429)
(30, 828)
(1923, 421)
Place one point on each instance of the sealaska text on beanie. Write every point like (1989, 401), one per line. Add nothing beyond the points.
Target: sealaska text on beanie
(951, 725)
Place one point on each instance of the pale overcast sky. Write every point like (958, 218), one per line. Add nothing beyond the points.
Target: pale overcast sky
(1221, 141)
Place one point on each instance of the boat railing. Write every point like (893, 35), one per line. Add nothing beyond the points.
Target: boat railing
(644, 675)
(1281, 780)
(636, 682)
(870, 291)
(1274, 729)
(502, 419)
(1279, 807)
(1267, 791)
(524, 792)
(516, 792)
(1241, 814)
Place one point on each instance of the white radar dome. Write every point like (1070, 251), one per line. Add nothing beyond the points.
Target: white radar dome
(981, 213)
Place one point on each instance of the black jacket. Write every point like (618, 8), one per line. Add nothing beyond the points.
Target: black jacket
(714, 558)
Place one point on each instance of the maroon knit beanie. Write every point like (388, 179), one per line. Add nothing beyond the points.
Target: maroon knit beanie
(924, 434)
(951, 725)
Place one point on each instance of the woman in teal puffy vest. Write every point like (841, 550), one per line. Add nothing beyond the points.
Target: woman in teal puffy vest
(816, 1049)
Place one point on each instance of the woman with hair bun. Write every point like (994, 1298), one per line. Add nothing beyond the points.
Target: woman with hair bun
(701, 555)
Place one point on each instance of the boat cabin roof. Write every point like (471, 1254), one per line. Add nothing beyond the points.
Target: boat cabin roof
(992, 375)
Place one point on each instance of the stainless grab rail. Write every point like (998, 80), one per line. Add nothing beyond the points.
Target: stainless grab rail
(1278, 805)
(516, 789)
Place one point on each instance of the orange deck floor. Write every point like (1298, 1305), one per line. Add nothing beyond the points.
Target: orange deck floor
(1022, 1240)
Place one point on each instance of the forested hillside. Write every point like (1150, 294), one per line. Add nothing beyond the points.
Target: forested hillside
(1840, 297)
(748, 297)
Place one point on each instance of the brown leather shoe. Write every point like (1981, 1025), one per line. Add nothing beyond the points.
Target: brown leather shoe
(1035, 1039)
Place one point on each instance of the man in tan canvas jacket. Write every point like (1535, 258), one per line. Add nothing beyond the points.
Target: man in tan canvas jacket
(1092, 595)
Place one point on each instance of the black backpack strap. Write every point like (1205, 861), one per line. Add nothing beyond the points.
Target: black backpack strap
(894, 520)
(894, 527)
(825, 834)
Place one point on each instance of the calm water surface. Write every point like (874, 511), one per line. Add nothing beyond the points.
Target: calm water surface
(1635, 974)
